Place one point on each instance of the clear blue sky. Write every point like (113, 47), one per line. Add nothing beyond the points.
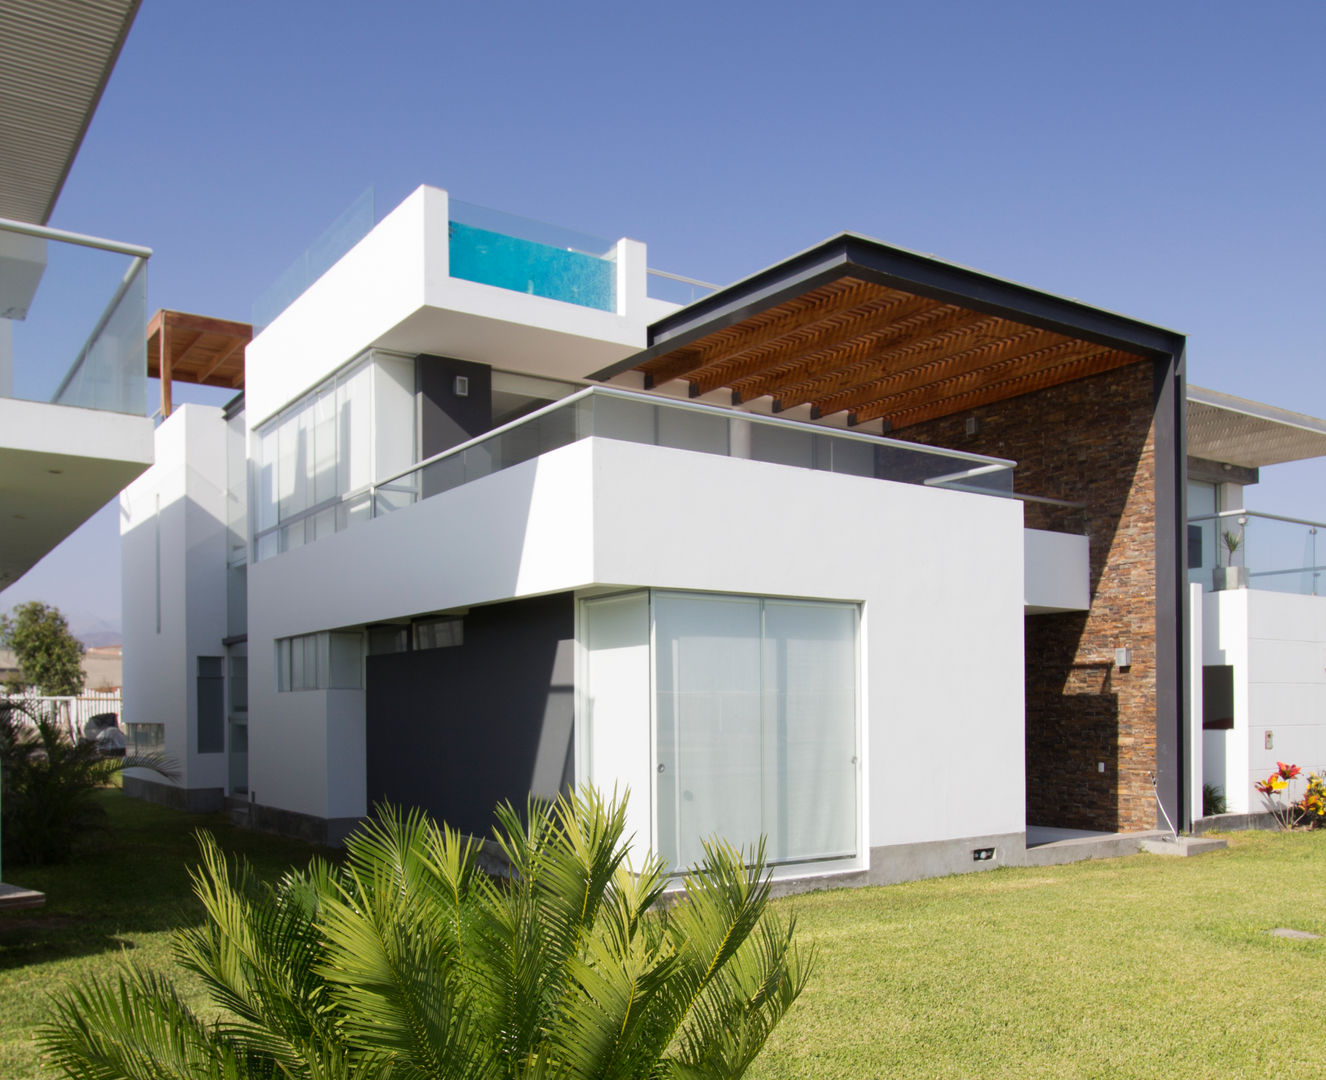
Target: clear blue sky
(1165, 160)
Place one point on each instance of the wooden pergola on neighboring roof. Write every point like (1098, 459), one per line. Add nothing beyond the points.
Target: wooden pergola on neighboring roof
(880, 333)
(195, 349)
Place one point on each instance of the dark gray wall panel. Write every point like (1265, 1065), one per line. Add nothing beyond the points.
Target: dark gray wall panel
(446, 420)
(457, 730)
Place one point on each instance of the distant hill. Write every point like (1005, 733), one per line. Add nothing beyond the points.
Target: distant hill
(96, 639)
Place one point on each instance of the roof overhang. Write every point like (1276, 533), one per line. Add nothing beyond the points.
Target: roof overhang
(55, 58)
(1235, 431)
(876, 332)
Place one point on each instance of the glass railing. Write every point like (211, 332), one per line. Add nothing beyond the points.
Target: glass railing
(623, 415)
(509, 252)
(352, 225)
(674, 288)
(1245, 548)
(73, 310)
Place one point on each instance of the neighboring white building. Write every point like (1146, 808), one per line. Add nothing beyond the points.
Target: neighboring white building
(1261, 637)
(73, 424)
(465, 537)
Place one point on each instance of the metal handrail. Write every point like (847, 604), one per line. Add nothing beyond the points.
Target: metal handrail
(684, 280)
(1257, 514)
(712, 410)
(45, 232)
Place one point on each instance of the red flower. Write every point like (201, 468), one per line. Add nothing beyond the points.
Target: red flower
(1288, 772)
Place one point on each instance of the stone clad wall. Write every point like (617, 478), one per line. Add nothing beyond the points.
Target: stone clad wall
(1090, 441)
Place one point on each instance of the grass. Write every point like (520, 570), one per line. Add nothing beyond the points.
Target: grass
(1139, 967)
(122, 896)
(1147, 966)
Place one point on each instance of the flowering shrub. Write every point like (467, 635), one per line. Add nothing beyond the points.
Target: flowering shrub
(1310, 810)
(1312, 807)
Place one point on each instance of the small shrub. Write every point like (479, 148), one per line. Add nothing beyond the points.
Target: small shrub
(1213, 800)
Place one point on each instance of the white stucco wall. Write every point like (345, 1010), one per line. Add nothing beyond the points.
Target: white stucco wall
(942, 683)
(177, 507)
(1276, 643)
(1057, 572)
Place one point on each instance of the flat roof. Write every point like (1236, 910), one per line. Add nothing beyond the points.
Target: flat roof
(856, 326)
(1234, 430)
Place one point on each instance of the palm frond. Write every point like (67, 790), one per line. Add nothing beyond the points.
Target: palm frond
(137, 1028)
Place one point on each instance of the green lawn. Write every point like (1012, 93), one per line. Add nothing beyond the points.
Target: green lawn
(1146, 966)
(120, 898)
(1143, 966)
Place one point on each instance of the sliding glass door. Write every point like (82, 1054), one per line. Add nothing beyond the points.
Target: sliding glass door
(756, 725)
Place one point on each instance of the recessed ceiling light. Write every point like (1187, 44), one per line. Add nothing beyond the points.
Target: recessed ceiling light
(55, 472)
(20, 517)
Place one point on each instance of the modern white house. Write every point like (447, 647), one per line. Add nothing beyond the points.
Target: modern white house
(874, 556)
(1259, 599)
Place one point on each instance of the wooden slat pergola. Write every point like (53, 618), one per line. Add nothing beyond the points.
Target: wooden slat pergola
(195, 349)
(878, 333)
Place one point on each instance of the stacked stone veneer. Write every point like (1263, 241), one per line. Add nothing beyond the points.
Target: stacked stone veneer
(1090, 441)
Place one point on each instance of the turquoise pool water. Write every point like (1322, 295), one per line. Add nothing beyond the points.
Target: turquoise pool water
(508, 262)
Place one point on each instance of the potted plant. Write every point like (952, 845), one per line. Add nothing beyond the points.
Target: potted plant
(1230, 576)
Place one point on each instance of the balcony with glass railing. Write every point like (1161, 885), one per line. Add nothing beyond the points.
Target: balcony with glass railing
(1248, 549)
(72, 314)
(612, 413)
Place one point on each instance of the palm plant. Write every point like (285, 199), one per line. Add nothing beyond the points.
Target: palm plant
(409, 961)
(48, 784)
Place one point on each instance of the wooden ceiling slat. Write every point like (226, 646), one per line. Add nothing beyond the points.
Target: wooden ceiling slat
(880, 353)
(928, 366)
(1098, 360)
(817, 336)
(1067, 350)
(183, 356)
(222, 357)
(954, 334)
(820, 303)
(924, 318)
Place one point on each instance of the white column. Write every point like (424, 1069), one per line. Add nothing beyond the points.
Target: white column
(1195, 764)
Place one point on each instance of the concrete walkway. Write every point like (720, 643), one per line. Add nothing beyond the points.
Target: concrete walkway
(1053, 847)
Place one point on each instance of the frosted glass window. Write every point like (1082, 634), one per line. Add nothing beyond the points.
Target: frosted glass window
(440, 633)
(266, 485)
(354, 427)
(345, 669)
(709, 725)
(810, 729)
(354, 457)
(324, 447)
(756, 722)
